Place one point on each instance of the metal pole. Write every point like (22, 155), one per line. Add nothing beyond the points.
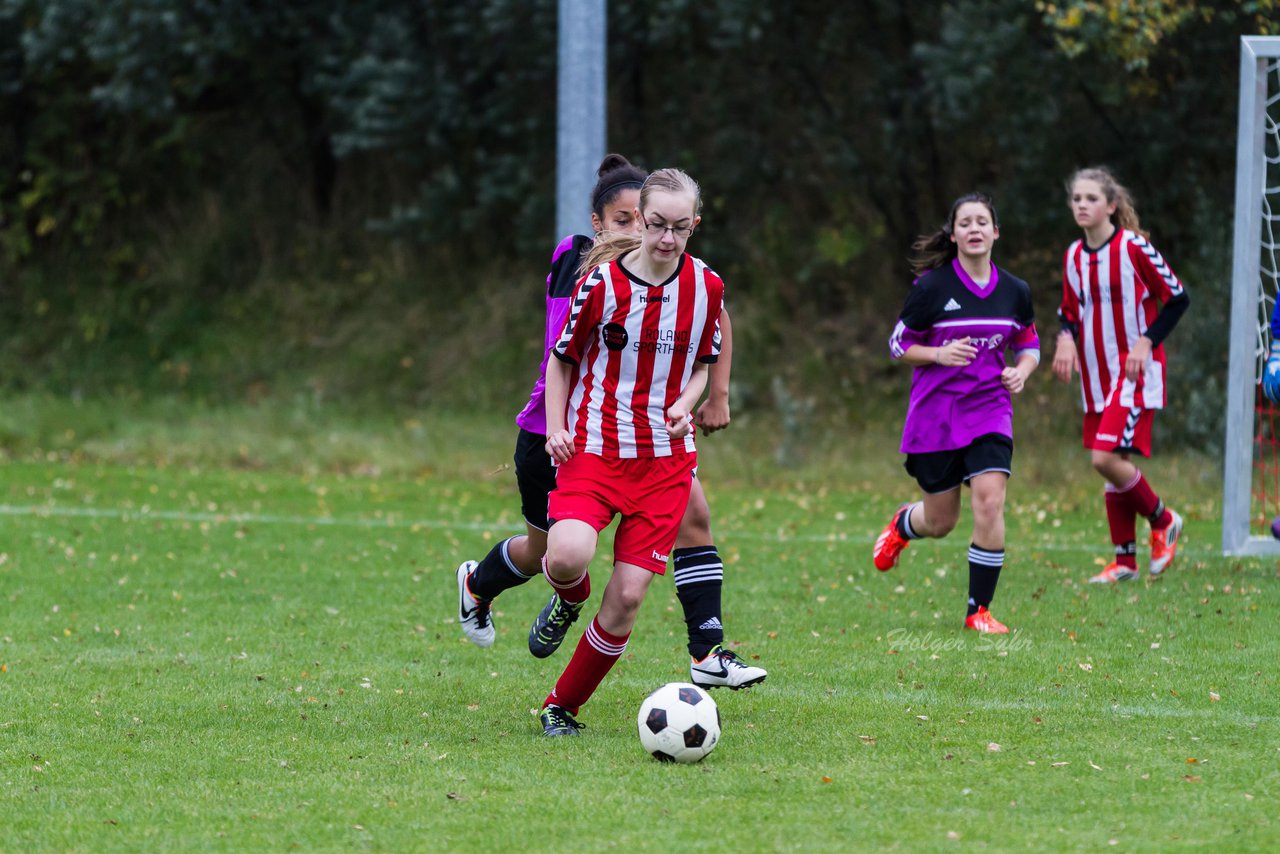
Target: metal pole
(580, 111)
(1241, 381)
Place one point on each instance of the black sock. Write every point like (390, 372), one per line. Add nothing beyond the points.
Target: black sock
(984, 575)
(904, 524)
(495, 573)
(699, 576)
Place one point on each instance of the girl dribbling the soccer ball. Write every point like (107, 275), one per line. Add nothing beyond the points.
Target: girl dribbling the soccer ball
(627, 371)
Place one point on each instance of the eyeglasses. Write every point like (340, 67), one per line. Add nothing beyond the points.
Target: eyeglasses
(676, 230)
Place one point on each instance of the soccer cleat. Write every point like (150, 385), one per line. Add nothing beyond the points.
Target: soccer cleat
(473, 613)
(890, 543)
(549, 627)
(982, 621)
(557, 721)
(1164, 544)
(1113, 573)
(723, 669)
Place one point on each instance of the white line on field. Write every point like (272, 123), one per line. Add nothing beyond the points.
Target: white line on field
(394, 521)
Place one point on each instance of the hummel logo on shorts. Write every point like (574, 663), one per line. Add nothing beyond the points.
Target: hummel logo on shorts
(951, 305)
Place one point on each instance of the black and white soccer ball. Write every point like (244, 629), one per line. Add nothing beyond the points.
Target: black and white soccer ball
(679, 722)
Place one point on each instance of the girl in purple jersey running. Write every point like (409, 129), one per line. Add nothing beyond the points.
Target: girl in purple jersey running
(699, 572)
(961, 316)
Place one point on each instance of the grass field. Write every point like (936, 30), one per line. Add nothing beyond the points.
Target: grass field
(220, 654)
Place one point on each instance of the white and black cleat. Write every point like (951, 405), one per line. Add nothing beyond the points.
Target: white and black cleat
(723, 669)
(473, 614)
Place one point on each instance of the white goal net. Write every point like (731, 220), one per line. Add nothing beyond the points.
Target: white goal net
(1251, 475)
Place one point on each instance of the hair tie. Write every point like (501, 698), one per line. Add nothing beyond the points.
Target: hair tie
(628, 183)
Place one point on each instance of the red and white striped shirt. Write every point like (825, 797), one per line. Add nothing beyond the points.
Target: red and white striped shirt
(1112, 294)
(634, 346)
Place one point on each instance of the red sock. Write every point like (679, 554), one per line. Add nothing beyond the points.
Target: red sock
(577, 590)
(595, 656)
(1145, 502)
(1120, 520)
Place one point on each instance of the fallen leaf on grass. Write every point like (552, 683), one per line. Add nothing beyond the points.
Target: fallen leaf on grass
(1086, 666)
(994, 748)
(1191, 760)
(1192, 778)
(1059, 764)
(868, 739)
(826, 779)
(1094, 767)
(1215, 696)
(454, 796)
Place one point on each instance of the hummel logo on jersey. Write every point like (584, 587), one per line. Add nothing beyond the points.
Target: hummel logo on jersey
(951, 305)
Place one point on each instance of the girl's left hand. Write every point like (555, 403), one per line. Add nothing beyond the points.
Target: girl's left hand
(1013, 380)
(679, 421)
(1137, 358)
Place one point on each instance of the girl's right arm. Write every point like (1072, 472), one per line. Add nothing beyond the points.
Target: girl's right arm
(907, 343)
(559, 443)
(1065, 357)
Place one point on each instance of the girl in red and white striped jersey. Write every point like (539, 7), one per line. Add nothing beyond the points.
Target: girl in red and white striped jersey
(1120, 301)
(627, 371)
(699, 572)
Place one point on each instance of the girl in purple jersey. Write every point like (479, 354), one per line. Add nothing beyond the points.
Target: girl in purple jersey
(699, 572)
(960, 317)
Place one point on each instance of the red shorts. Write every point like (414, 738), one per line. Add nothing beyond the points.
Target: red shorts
(650, 494)
(1119, 429)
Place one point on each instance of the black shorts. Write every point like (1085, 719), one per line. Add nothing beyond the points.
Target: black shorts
(536, 477)
(943, 471)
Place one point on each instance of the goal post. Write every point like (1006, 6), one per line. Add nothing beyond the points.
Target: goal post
(1251, 472)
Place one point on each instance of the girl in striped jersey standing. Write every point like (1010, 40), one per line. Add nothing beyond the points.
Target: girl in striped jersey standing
(961, 316)
(699, 572)
(1113, 328)
(627, 371)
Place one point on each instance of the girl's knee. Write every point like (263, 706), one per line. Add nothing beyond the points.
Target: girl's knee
(941, 524)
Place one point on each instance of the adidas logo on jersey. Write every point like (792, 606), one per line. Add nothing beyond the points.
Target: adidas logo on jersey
(951, 305)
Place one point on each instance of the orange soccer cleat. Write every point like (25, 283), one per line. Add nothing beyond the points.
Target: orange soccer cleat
(890, 543)
(983, 621)
(1114, 573)
(1164, 544)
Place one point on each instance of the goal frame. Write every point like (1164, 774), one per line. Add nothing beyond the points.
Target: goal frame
(1248, 340)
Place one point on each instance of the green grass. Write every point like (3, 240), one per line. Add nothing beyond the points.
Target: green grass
(202, 653)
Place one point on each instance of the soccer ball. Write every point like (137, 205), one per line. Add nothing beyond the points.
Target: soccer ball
(679, 722)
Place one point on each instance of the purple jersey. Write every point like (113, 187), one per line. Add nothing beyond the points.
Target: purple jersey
(952, 406)
(561, 283)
